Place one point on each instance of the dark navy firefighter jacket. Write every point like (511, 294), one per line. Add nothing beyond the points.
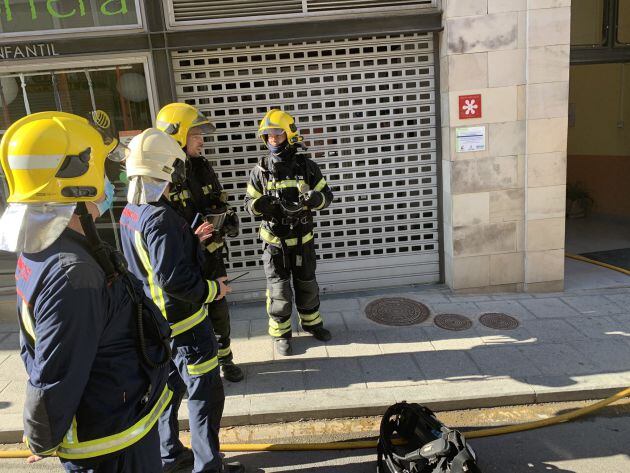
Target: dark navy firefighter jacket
(78, 343)
(164, 253)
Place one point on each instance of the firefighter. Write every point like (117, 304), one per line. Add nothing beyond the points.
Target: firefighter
(202, 193)
(285, 188)
(96, 383)
(166, 255)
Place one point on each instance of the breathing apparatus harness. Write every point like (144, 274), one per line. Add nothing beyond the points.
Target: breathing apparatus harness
(113, 263)
(295, 215)
(431, 446)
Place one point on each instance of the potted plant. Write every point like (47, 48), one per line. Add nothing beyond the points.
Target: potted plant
(579, 200)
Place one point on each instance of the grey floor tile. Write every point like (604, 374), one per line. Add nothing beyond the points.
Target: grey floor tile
(552, 330)
(391, 371)
(305, 346)
(598, 327)
(330, 373)
(447, 365)
(353, 344)
(462, 308)
(594, 305)
(552, 307)
(239, 329)
(404, 340)
(9, 341)
(334, 322)
(276, 377)
(503, 361)
(513, 308)
(558, 359)
(612, 356)
(469, 297)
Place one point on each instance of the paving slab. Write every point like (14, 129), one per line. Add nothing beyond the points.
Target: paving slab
(571, 345)
(549, 307)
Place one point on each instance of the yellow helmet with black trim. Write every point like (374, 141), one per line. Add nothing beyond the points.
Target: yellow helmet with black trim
(176, 119)
(55, 157)
(276, 120)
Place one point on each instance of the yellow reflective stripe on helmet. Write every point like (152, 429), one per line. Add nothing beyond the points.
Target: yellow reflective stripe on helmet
(156, 291)
(213, 291)
(203, 368)
(253, 192)
(286, 184)
(23, 162)
(189, 322)
(207, 189)
(223, 352)
(72, 448)
(182, 195)
(27, 320)
(214, 246)
(309, 320)
(320, 185)
(269, 237)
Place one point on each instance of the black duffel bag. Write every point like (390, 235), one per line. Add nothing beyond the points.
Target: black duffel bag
(427, 445)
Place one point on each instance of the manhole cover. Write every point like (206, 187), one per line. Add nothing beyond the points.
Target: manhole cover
(454, 322)
(498, 321)
(396, 311)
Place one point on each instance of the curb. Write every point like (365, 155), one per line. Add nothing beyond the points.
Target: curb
(378, 408)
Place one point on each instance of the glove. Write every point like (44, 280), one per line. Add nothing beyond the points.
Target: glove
(313, 199)
(269, 207)
(231, 224)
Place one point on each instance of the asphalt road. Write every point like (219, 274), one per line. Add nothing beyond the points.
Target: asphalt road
(592, 445)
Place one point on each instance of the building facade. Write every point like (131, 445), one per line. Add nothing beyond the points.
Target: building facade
(442, 125)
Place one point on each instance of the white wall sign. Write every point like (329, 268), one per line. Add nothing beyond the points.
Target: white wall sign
(470, 138)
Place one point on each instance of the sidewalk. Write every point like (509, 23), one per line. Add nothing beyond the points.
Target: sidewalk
(569, 346)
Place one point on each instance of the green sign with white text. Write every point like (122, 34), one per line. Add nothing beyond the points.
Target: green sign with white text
(51, 16)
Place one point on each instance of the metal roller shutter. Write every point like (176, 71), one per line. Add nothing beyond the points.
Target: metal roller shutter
(366, 107)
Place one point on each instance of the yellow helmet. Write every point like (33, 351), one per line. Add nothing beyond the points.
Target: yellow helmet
(176, 119)
(279, 121)
(54, 157)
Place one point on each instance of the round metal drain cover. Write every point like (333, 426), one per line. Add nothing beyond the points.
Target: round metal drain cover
(453, 322)
(498, 321)
(396, 311)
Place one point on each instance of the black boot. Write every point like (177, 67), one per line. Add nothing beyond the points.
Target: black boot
(231, 372)
(183, 463)
(283, 346)
(321, 334)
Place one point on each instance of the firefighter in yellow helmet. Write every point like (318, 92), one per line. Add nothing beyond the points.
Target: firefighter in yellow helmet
(201, 194)
(95, 386)
(285, 189)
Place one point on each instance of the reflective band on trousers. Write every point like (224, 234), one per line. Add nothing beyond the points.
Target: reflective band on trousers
(180, 327)
(269, 237)
(203, 368)
(276, 329)
(156, 291)
(72, 448)
(223, 352)
(309, 320)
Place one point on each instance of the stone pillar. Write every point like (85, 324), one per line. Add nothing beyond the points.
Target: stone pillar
(504, 207)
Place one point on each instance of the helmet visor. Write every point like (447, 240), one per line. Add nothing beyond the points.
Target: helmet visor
(119, 153)
(272, 131)
(203, 129)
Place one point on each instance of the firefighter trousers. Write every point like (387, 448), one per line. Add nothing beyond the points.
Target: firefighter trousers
(283, 266)
(195, 370)
(219, 311)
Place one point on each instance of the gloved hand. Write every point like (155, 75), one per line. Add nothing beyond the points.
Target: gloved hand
(269, 207)
(313, 199)
(231, 225)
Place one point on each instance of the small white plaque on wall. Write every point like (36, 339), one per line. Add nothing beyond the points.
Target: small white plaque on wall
(470, 138)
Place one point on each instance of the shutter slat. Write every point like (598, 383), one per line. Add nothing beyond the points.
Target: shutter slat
(237, 10)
